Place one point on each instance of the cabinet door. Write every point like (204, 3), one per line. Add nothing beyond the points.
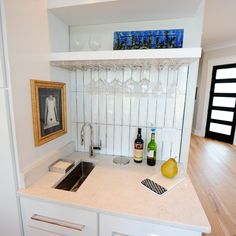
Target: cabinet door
(117, 226)
(29, 231)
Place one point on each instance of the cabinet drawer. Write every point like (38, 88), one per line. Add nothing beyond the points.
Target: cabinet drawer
(117, 226)
(58, 219)
(29, 231)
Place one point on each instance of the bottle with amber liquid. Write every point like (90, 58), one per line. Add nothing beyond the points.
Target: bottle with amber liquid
(138, 147)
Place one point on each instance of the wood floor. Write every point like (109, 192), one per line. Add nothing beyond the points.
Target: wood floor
(212, 169)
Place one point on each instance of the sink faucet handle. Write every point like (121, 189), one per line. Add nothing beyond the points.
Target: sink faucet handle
(98, 147)
(82, 141)
(82, 136)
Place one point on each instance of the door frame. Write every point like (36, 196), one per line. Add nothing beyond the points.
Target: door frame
(204, 88)
(218, 136)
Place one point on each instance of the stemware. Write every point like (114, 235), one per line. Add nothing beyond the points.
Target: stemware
(77, 43)
(171, 91)
(96, 85)
(100, 85)
(116, 86)
(94, 43)
(130, 86)
(145, 83)
(158, 89)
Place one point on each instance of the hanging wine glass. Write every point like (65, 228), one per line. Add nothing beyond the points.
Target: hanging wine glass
(116, 86)
(91, 86)
(101, 83)
(96, 85)
(145, 86)
(130, 85)
(145, 83)
(158, 89)
(171, 89)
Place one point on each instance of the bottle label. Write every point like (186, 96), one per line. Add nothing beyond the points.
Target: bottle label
(138, 152)
(150, 154)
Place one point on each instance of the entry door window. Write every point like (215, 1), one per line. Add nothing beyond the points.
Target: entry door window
(221, 118)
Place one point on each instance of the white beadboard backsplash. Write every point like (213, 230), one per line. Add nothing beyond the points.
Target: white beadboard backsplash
(117, 116)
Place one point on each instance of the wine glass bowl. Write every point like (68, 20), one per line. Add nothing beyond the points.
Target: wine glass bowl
(94, 44)
(145, 86)
(130, 86)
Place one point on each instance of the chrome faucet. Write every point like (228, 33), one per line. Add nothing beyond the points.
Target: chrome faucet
(91, 137)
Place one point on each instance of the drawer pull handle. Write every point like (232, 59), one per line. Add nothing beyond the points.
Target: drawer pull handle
(119, 234)
(57, 222)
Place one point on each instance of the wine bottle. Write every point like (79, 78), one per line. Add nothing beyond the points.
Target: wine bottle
(152, 149)
(138, 148)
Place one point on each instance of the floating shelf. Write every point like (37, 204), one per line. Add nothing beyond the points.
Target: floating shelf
(89, 12)
(79, 60)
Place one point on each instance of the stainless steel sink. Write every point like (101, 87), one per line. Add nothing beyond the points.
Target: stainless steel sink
(74, 179)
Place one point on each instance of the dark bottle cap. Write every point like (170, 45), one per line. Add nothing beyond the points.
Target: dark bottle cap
(139, 130)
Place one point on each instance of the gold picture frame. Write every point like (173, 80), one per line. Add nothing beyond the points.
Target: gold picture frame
(49, 110)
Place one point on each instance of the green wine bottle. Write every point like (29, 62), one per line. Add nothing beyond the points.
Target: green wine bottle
(152, 149)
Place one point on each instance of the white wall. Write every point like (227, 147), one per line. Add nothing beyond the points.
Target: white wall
(210, 58)
(10, 223)
(104, 33)
(28, 44)
(59, 34)
(117, 116)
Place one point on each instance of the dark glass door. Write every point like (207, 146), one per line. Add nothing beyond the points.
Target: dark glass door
(221, 118)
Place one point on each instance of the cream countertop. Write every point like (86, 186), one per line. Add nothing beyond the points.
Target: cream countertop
(116, 189)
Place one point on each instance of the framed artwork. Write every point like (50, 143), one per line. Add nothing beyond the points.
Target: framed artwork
(49, 110)
(148, 39)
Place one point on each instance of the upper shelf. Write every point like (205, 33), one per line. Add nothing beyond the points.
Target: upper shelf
(90, 12)
(72, 60)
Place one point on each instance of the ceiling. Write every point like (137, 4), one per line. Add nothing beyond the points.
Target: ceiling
(219, 23)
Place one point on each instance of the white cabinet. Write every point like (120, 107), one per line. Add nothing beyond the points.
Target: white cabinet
(55, 219)
(50, 219)
(117, 226)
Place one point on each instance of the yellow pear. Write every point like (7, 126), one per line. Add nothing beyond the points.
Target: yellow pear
(169, 168)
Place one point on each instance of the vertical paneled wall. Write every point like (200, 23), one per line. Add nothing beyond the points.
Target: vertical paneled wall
(117, 114)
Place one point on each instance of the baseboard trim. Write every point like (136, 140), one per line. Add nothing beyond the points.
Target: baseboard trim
(197, 132)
